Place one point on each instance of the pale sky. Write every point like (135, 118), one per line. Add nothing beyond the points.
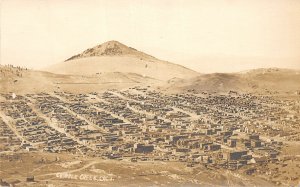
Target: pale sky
(207, 36)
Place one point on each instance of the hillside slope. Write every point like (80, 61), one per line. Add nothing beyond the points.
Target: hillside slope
(29, 81)
(258, 80)
(113, 56)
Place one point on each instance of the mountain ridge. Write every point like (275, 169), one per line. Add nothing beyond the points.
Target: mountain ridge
(254, 80)
(113, 56)
(111, 48)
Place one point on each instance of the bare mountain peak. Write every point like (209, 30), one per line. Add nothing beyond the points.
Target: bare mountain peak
(113, 42)
(111, 48)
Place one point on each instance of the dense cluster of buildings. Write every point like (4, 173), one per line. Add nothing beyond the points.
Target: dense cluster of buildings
(221, 131)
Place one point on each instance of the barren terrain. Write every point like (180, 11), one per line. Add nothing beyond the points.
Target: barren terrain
(115, 116)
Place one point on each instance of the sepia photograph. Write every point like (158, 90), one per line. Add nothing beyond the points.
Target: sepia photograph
(149, 93)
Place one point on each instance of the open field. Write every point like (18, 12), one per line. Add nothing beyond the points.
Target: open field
(58, 170)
